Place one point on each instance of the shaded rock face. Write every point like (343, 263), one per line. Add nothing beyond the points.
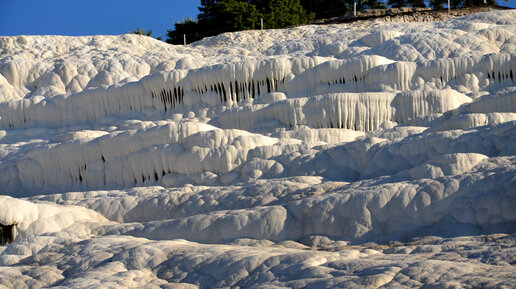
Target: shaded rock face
(6, 234)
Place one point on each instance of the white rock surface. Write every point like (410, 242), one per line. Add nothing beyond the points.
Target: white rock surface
(379, 155)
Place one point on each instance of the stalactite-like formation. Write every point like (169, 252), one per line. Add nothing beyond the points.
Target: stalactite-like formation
(231, 84)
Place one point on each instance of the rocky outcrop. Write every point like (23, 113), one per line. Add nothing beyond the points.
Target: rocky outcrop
(406, 14)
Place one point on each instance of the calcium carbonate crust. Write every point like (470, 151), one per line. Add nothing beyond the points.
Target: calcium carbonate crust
(380, 155)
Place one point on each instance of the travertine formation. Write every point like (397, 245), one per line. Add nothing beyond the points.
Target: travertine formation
(270, 158)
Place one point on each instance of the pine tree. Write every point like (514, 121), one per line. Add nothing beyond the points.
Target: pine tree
(283, 13)
(374, 4)
(437, 4)
(398, 3)
(141, 31)
(239, 15)
(187, 27)
(219, 16)
(416, 3)
(325, 8)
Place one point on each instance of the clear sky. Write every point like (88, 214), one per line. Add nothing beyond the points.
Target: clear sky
(91, 17)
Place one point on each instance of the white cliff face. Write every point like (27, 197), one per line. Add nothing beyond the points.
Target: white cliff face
(167, 163)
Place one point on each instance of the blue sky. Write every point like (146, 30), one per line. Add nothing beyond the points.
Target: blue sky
(91, 17)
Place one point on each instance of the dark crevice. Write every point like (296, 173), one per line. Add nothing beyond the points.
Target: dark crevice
(7, 234)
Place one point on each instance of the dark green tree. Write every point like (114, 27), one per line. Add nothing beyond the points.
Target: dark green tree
(238, 15)
(188, 27)
(398, 3)
(219, 16)
(416, 3)
(374, 4)
(437, 4)
(325, 8)
(141, 31)
(283, 13)
(365, 4)
(207, 10)
(260, 4)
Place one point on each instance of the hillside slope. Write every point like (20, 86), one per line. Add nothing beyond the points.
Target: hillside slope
(361, 156)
